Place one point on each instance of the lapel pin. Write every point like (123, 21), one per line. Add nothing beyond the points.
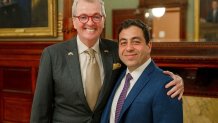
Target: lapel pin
(70, 53)
(106, 51)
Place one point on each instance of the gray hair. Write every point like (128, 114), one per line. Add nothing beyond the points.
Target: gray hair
(75, 3)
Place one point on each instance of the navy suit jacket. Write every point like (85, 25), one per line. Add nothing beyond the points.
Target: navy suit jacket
(59, 95)
(147, 102)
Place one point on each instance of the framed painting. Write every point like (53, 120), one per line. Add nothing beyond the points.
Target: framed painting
(206, 20)
(28, 18)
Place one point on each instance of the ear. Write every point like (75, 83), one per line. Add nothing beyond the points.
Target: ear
(103, 22)
(74, 23)
(149, 45)
(103, 25)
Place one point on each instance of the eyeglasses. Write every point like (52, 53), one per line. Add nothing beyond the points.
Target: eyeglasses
(96, 18)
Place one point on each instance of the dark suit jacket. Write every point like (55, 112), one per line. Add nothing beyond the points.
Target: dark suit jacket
(59, 95)
(147, 102)
(210, 17)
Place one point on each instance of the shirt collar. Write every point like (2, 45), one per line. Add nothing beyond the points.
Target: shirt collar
(82, 47)
(137, 72)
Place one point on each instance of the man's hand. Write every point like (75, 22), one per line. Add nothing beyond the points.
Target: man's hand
(177, 83)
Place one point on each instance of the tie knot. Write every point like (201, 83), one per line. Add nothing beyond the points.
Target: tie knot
(91, 52)
(128, 77)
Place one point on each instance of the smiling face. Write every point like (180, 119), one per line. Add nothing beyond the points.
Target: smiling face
(214, 5)
(88, 32)
(133, 50)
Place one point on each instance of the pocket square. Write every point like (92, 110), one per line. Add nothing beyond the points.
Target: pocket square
(116, 66)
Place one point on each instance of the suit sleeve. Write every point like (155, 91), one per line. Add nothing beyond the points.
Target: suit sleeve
(167, 109)
(42, 102)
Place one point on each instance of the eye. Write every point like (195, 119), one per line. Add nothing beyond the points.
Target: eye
(83, 17)
(136, 42)
(97, 17)
(123, 42)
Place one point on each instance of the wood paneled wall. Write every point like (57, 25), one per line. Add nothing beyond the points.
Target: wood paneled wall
(19, 63)
(195, 62)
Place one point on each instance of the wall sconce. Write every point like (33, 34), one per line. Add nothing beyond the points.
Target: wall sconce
(147, 14)
(158, 12)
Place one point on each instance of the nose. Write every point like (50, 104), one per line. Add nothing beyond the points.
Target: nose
(129, 46)
(90, 22)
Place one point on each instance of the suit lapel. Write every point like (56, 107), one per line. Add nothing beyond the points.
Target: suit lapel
(107, 60)
(72, 59)
(109, 104)
(137, 88)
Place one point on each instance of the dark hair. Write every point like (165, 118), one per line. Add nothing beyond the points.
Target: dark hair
(138, 23)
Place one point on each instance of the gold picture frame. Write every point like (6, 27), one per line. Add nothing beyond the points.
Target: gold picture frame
(42, 24)
(205, 28)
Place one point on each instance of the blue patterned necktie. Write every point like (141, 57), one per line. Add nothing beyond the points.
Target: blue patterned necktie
(122, 97)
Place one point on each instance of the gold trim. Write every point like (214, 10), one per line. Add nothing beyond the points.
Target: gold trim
(50, 31)
(196, 19)
(60, 25)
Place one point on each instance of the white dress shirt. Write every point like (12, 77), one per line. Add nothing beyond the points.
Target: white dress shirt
(214, 15)
(83, 57)
(135, 75)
